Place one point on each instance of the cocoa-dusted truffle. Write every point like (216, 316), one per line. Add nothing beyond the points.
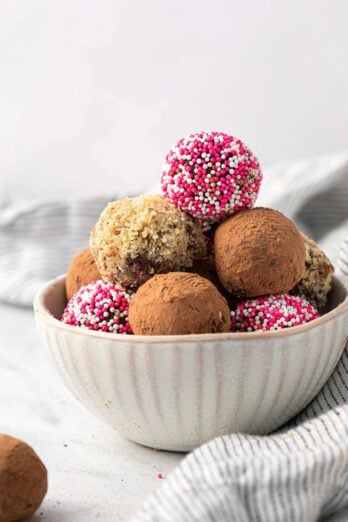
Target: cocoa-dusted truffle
(81, 271)
(23, 480)
(259, 251)
(178, 303)
(315, 283)
(139, 237)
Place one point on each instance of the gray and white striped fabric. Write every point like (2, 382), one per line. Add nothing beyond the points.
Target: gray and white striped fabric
(298, 474)
(38, 240)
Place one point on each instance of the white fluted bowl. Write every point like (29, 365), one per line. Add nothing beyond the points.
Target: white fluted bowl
(176, 392)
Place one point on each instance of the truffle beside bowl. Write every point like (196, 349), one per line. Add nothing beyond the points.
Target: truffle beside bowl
(177, 392)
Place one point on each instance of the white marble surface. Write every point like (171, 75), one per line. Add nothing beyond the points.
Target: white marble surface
(94, 474)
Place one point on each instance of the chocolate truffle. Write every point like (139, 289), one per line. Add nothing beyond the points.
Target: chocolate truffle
(23, 480)
(259, 251)
(99, 306)
(206, 268)
(211, 175)
(81, 271)
(272, 312)
(139, 237)
(178, 303)
(315, 284)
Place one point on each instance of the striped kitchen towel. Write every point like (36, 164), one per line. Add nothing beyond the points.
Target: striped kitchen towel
(38, 240)
(297, 475)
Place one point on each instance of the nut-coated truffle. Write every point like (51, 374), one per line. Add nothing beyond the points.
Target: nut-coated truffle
(137, 238)
(315, 283)
(23, 480)
(81, 271)
(258, 252)
(178, 303)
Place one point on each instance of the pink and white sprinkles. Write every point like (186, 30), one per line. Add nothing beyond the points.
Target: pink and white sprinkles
(211, 175)
(272, 312)
(99, 306)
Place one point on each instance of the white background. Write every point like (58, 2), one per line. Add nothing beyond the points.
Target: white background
(93, 93)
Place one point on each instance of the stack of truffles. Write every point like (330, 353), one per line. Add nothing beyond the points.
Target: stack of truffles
(198, 258)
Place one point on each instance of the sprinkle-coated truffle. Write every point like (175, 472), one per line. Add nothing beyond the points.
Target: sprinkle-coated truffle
(272, 312)
(211, 175)
(99, 306)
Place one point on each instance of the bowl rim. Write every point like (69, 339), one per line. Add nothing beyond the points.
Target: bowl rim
(42, 310)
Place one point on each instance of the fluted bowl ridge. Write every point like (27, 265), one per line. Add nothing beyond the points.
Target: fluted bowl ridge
(176, 392)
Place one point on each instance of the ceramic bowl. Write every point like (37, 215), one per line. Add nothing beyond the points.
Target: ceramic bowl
(176, 392)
